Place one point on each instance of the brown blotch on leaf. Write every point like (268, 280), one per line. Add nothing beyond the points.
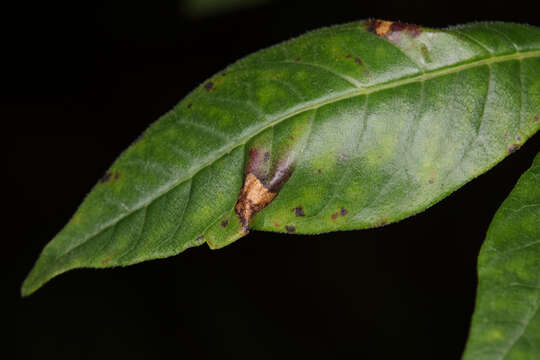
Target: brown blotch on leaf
(224, 74)
(297, 59)
(116, 175)
(537, 118)
(343, 211)
(513, 148)
(348, 56)
(431, 181)
(260, 188)
(290, 228)
(209, 86)
(276, 224)
(519, 138)
(253, 197)
(387, 29)
(266, 156)
(358, 61)
(189, 105)
(224, 223)
(319, 171)
(299, 211)
(334, 216)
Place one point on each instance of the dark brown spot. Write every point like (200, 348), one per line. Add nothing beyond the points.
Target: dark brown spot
(224, 74)
(209, 86)
(519, 138)
(505, 135)
(334, 216)
(358, 61)
(343, 211)
(266, 156)
(299, 211)
(431, 181)
(116, 175)
(105, 178)
(291, 137)
(319, 171)
(290, 228)
(537, 118)
(189, 105)
(199, 240)
(347, 56)
(276, 224)
(297, 59)
(224, 223)
(513, 148)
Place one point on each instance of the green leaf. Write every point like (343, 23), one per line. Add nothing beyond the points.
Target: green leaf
(506, 321)
(347, 127)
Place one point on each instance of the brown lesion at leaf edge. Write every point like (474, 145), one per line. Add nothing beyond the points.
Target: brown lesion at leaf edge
(390, 29)
(253, 197)
(258, 190)
(109, 175)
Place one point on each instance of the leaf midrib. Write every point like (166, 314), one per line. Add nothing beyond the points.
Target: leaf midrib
(315, 104)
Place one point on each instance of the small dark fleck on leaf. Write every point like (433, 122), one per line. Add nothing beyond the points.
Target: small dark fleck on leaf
(224, 223)
(276, 224)
(299, 211)
(335, 216)
(347, 56)
(105, 178)
(189, 105)
(116, 175)
(537, 118)
(290, 228)
(358, 60)
(431, 181)
(199, 240)
(266, 156)
(505, 135)
(512, 148)
(291, 137)
(519, 138)
(343, 211)
(319, 171)
(224, 74)
(297, 59)
(209, 86)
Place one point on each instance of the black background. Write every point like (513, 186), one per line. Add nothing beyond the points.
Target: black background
(86, 78)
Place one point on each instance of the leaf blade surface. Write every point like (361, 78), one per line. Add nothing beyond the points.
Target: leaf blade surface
(506, 321)
(354, 126)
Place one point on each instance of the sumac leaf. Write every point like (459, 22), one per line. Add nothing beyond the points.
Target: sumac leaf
(347, 127)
